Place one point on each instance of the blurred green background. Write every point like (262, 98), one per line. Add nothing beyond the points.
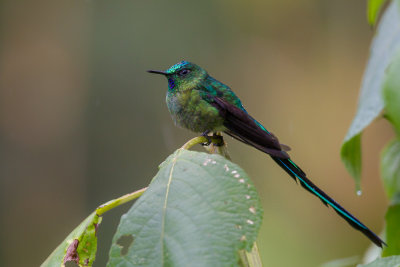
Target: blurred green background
(81, 122)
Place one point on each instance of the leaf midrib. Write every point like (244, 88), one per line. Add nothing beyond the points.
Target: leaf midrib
(165, 205)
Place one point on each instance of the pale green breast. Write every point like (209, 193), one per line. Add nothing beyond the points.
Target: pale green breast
(190, 111)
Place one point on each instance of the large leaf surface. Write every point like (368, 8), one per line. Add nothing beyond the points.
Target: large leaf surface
(384, 47)
(199, 210)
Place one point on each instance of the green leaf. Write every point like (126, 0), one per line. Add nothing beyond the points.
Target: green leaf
(199, 210)
(390, 158)
(390, 168)
(344, 262)
(393, 261)
(79, 247)
(391, 93)
(384, 47)
(374, 6)
(392, 229)
(351, 157)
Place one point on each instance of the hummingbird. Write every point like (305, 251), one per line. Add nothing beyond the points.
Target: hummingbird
(205, 105)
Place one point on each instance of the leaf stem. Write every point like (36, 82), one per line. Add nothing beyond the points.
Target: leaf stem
(217, 146)
(194, 141)
(119, 201)
(250, 259)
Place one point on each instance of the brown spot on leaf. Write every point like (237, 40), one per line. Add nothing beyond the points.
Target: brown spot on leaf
(125, 242)
(72, 254)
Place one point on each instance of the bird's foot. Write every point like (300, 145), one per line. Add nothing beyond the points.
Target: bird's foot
(218, 140)
(209, 141)
(215, 139)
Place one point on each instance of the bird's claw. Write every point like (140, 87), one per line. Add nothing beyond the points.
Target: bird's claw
(209, 141)
(216, 140)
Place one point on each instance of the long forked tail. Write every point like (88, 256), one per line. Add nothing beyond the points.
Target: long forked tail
(296, 173)
(240, 125)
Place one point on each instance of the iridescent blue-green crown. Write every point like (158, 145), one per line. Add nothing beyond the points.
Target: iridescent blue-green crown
(177, 66)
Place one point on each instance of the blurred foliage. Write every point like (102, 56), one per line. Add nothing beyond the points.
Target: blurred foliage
(391, 87)
(392, 229)
(390, 168)
(381, 90)
(374, 6)
(384, 47)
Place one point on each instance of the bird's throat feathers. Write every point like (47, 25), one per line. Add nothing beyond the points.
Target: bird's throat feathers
(177, 85)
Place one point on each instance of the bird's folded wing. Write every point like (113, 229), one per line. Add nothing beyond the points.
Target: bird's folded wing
(242, 126)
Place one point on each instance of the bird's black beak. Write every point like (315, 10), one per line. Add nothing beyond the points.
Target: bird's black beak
(157, 72)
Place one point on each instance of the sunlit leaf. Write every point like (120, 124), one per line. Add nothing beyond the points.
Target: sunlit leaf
(374, 6)
(79, 247)
(199, 210)
(384, 47)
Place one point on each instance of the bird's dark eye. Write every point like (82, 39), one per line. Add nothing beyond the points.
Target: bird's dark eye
(183, 72)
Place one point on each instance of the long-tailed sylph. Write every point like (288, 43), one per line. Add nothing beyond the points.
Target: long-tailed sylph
(202, 104)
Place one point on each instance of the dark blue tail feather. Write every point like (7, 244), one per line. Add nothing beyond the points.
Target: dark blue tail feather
(296, 173)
